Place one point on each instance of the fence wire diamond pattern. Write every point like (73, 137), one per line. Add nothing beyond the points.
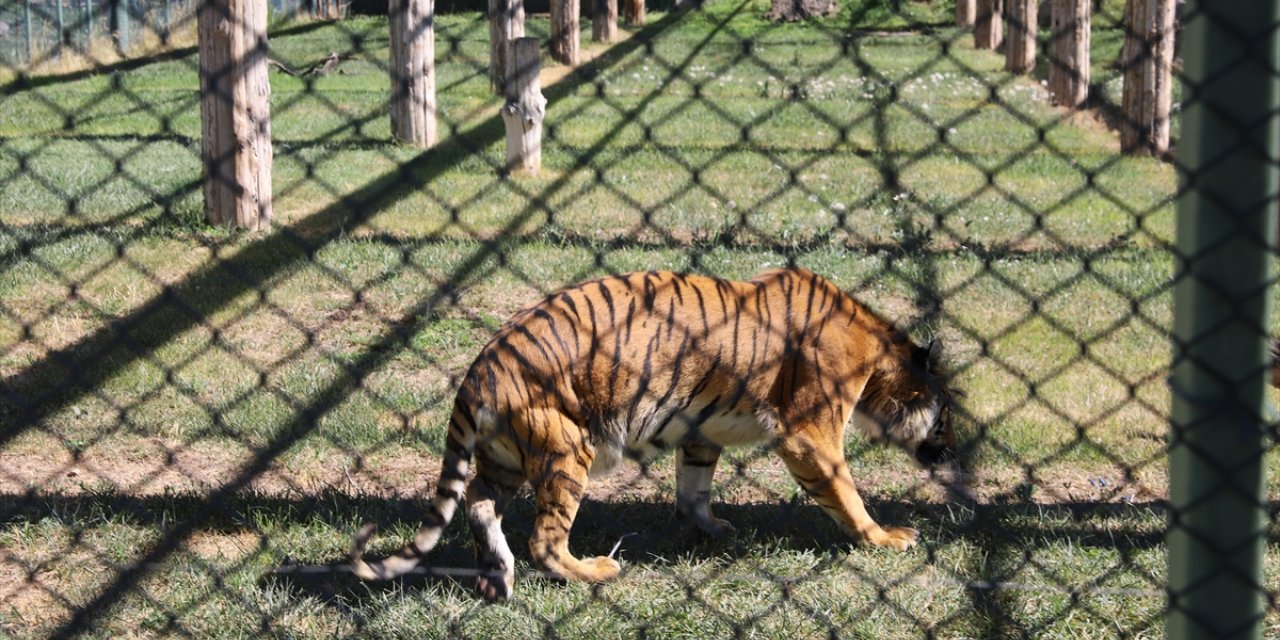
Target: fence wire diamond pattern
(196, 420)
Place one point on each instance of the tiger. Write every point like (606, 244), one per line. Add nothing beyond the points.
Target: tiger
(634, 365)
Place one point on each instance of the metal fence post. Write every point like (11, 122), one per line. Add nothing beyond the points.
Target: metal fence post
(1226, 229)
(164, 21)
(26, 31)
(63, 36)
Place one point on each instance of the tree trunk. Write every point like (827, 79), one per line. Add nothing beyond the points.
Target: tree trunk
(235, 113)
(795, 10)
(1147, 60)
(966, 13)
(506, 24)
(564, 31)
(413, 72)
(525, 109)
(604, 22)
(1020, 48)
(988, 25)
(633, 11)
(1069, 53)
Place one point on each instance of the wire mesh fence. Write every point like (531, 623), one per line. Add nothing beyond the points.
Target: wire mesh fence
(197, 420)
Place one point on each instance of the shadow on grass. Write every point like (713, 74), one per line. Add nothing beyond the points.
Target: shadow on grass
(78, 370)
(650, 534)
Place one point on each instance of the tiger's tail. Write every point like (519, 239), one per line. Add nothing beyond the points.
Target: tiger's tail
(459, 445)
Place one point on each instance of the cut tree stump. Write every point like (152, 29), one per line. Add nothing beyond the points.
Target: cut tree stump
(1069, 53)
(988, 25)
(1020, 46)
(506, 24)
(966, 13)
(604, 21)
(413, 72)
(1147, 60)
(525, 108)
(633, 11)
(797, 10)
(235, 112)
(563, 44)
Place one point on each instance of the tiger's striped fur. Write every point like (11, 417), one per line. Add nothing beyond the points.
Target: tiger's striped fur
(634, 365)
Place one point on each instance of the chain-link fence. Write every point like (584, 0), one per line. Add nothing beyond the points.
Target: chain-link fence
(197, 420)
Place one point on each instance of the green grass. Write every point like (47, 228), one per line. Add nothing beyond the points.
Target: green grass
(322, 357)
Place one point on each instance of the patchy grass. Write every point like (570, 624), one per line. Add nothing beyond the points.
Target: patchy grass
(224, 405)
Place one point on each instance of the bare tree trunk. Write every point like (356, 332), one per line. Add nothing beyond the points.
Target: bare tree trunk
(1147, 59)
(564, 31)
(235, 112)
(988, 25)
(966, 13)
(506, 24)
(633, 11)
(604, 22)
(525, 109)
(1020, 48)
(1069, 53)
(413, 72)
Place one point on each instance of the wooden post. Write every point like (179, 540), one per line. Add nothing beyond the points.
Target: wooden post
(633, 11)
(1069, 53)
(604, 21)
(988, 25)
(525, 108)
(966, 13)
(1147, 60)
(1020, 48)
(506, 24)
(564, 31)
(235, 112)
(413, 72)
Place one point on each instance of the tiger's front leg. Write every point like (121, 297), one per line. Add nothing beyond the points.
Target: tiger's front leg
(695, 467)
(817, 463)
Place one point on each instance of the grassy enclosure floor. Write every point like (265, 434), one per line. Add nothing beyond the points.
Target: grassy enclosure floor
(193, 414)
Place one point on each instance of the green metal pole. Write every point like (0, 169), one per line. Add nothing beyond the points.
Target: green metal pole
(1226, 236)
(26, 30)
(164, 20)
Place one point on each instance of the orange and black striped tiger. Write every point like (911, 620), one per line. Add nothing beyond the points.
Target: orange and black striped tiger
(637, 364)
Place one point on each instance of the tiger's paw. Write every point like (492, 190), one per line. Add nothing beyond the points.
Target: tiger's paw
(896, 538)
(715, 527)
(496, 586)
(600, 569)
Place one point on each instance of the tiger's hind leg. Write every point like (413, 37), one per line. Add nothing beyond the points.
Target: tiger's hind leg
(487, 497)
(559, 482)
(695, 467)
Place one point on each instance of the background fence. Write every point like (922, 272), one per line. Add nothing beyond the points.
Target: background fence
(42, 31)
(197, 419)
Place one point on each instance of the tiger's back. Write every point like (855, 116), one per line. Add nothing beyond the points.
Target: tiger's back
(637, 364)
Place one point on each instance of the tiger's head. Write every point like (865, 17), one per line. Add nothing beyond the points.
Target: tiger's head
(909, 404)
